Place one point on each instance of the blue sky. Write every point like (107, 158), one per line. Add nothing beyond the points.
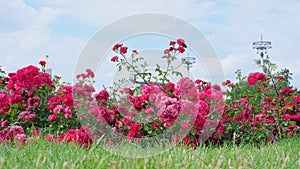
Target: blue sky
(30, 29)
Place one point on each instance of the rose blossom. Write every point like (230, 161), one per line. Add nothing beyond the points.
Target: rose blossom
(133, 132)
(166, 51)
(123, 50)
(279, 77)
(169, 109)
(53, 117)
(90, 73)
(180, 42)
(102, 96)
(113, 59)
(4, 123)
(117, 46)
(172, 43)
(42, 63)
(252, 79)
(181, 49)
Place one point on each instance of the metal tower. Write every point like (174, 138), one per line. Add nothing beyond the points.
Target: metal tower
(188, 61)
(261, 48)
(47, 69)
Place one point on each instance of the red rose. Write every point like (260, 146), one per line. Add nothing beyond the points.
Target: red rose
(297, 99)
(180, 42)
(287, 90)
(115, 58)
(259, 76)
(153, 126)
(172, 43)
(186, 141)
(198, 81)
(42, 63)
(11, 74)
(127, 121)
(102, 96)
(279, 77)
(251, 80)
(133, 132)
(171, 86)
(123, 50)
(181, 49)
(117, 46)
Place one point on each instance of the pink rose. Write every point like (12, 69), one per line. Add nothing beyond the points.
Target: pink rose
(166, 51)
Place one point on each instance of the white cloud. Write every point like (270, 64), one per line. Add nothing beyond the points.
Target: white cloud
(234, 62)
(26, 36)
(101, 12)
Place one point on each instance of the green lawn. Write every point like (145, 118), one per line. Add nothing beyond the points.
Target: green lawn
(42, 154)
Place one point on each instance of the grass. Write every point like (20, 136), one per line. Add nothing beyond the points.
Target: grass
(42, 154)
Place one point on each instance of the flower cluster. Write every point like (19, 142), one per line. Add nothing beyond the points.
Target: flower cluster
(83, 137)
(102, 96)
(180, 48)
(61, 103)
(28, 78)
(13, 134)
(252, 79)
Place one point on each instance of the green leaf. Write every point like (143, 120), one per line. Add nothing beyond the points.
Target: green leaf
(128, 68)
(177, 73)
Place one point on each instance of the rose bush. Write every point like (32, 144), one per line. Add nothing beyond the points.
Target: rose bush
(31, 101)
(259, 108)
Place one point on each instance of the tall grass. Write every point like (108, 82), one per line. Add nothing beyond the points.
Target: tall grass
(42, 154)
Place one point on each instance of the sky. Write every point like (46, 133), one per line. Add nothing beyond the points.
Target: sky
(31, 29)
